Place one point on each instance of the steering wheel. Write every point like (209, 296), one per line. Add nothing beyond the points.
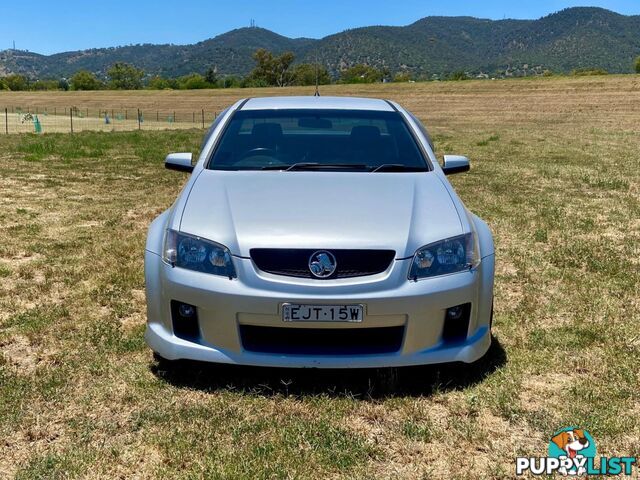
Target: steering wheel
(261, 151)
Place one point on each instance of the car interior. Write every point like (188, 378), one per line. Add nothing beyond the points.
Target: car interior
(259, 143)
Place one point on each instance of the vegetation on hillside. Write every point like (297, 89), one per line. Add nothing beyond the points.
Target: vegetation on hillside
(434, 47)
(270, 71)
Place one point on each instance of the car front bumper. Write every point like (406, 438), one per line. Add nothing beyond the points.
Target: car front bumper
(255, 299)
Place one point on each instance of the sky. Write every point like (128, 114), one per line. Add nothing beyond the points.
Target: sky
(49, 27)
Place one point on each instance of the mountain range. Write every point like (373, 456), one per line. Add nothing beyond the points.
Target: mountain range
(574, 38)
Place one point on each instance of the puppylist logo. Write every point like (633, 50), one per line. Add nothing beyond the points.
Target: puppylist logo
(572, 451)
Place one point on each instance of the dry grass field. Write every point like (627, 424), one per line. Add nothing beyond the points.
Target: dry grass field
(555, 172)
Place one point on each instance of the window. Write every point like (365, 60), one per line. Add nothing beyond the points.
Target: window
(363, 140)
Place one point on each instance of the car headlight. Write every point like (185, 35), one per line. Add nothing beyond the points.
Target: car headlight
(195, 253)
(452, 255)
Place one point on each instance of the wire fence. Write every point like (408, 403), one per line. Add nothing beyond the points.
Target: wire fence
(74, 119)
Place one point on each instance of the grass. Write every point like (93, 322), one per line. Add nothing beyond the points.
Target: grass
(554, 172)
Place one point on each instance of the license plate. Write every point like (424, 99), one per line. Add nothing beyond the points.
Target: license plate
(322, 313)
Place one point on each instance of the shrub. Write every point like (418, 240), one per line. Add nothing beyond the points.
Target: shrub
(159, 83)
(459, 75)
(194, 81)
(229, 81)
(16, 83)
(361, 73)
(403, 77)
(84, 80)
(45, 85)
(582, 72)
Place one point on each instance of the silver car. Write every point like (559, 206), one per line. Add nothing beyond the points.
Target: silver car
(318, 232)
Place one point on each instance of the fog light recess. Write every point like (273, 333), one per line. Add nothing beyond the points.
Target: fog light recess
(185, 321)
(456, 323)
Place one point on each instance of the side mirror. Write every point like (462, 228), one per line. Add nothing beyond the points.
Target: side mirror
(179, 161)
(455, 164)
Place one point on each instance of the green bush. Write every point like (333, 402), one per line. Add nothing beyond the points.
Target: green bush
(85, 80)
(459, 75)
(403, 77)
(229, 81)
(16, 83)
(637, 65)
(583, 72)
(194, 81)
(159, 83)
(361, 73)
(45, 85)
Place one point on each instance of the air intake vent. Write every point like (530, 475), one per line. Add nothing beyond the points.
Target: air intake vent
(292, 262)
(321, 341)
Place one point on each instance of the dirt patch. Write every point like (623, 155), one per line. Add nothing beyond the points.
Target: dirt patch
(21, 354)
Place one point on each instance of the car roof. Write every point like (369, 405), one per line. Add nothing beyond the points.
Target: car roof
(329, 103)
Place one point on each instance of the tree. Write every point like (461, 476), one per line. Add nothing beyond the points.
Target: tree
(124, 76)
(637, 65)
(160, 83)
(40, 85)
(404, 76)
(84, 80)
(229, 81)
(16, 83)
(271, 70)
(361, 73)
(458, 75)
(211, 76)
(193, 82)
(305, 74)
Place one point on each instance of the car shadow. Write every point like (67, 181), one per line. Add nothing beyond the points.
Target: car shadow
(364, 384)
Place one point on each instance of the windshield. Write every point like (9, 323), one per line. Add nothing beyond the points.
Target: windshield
(317, 139)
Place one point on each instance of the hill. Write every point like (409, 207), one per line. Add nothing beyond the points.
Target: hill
(580, 37)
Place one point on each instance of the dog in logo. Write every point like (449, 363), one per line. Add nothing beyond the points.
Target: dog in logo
(572, 442)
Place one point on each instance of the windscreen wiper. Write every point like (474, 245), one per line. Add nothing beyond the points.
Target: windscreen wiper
(329, 166)
(397, 167)
(286, 167)
(314, 166)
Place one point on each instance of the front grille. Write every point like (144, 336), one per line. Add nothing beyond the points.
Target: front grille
(293, 262)
(321, 341)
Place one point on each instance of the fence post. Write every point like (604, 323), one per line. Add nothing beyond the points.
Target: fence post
(126, 115)
(193, 117)
(6, 121)
(203, 118)
(139, 120)
(71, 117)
(157, 116)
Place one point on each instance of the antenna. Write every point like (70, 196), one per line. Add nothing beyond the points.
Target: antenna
(317, 94)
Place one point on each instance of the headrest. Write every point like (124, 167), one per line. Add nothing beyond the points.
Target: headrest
(267, 130)
(365, 133)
